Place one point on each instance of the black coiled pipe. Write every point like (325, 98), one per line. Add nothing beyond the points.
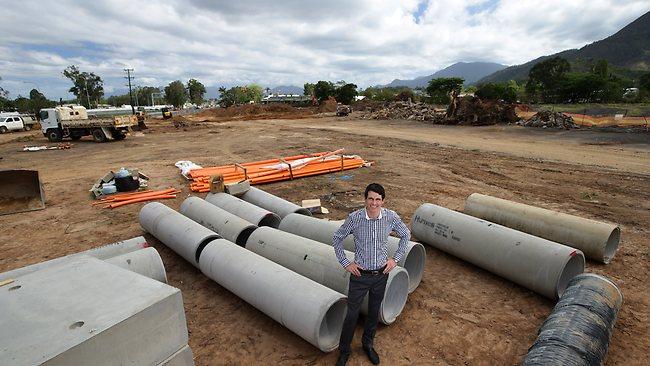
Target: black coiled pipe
(578, 331)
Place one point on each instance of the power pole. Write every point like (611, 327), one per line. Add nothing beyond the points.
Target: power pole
(128, 77)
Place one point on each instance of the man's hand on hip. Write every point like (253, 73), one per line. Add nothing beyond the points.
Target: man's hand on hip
(390, 264)
(354, 269)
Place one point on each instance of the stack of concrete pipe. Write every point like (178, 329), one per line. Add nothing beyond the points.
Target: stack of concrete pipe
(538, 264)
(317, 315)
(247, 211)
(323, 231)
(598, 240)
(273, 203)
(309, 258)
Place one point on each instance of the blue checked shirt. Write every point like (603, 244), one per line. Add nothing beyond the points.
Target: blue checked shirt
(371, 238)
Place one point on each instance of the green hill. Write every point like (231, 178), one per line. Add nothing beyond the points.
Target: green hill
(627, 51)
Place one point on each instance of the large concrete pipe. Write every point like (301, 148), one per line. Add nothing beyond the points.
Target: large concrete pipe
(104, 252)
(181, 234)
(275, 204)
(598, 240)
(247, 211)
(323, 231)
(318, 261)
(146, 262)
(538, 264)
(309, 309)
(580, 327)
(230, 227)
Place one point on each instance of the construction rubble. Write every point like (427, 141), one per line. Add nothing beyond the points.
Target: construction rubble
(463, 111)
(549, 119)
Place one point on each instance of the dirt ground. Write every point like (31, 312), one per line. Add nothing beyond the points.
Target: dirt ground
(459, 315)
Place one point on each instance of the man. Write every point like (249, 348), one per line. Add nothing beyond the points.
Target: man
(369, 271)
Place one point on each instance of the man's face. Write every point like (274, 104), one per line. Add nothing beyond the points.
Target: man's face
(374, 201)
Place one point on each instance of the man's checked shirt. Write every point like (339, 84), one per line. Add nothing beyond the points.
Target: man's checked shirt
(371, 238)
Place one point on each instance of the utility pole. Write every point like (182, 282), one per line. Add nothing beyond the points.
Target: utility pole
(128, 77)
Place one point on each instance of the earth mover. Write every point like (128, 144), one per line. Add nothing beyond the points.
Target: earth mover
(73, 122)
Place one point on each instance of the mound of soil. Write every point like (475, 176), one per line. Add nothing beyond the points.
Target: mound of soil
(255, 111)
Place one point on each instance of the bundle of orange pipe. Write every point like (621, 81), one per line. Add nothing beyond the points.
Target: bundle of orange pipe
(122, 199)
(274, 170)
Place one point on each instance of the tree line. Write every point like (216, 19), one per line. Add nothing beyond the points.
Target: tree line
(88, 88)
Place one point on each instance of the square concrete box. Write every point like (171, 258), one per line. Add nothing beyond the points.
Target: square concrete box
(88, 312)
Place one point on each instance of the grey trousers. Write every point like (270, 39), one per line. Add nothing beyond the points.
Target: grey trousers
(375, 286)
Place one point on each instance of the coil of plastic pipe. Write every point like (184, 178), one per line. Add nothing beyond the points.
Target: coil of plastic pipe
(538, 264)
(597, 240)
(579, 329)
(323, 231)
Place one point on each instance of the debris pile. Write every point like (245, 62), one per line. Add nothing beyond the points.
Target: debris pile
(406, 110)
(253, 111)
(463, 111)
(475, 111)
(549, 119)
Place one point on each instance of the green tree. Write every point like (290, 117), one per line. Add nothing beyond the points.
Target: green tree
(144, 94)
(601, 68)
(175, 93)
(240, 95)
(545, 79)
(308, 89)
(87, 87)
(324, 90)
(644, 86)
(440, 88)
(38, 101)
(345, 93)
(497, 91)
(196, 91)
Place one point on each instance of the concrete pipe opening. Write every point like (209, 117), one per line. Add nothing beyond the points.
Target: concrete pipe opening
(395, 295)
(271, 220)
(242, 238)
(414, 264)
(202, 245)
(331, 326)
(612, 245)
(303, 211)
(573, 267)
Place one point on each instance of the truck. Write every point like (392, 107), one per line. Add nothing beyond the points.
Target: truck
(73, 122)
(13, 121)
(343, 110)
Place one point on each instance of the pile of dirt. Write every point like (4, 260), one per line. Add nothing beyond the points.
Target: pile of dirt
(548, 119)
(367, 105)
(405, 110)
(254, 111)
(475, 111)
(328, 105)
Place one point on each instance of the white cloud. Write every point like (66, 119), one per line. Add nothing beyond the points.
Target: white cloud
(287, 42)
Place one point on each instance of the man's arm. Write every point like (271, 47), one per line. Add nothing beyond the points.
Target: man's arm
(337, 240)
(404, 236)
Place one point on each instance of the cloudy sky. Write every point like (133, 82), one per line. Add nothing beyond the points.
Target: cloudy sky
(272, 43)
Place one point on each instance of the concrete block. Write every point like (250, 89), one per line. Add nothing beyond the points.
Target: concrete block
(183, 357)
(88, 312)
(237, 189)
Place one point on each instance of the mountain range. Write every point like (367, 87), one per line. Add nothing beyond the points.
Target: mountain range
(470, 71)
(627, 52)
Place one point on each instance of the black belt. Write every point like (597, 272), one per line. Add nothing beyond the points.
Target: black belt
(374, 272)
